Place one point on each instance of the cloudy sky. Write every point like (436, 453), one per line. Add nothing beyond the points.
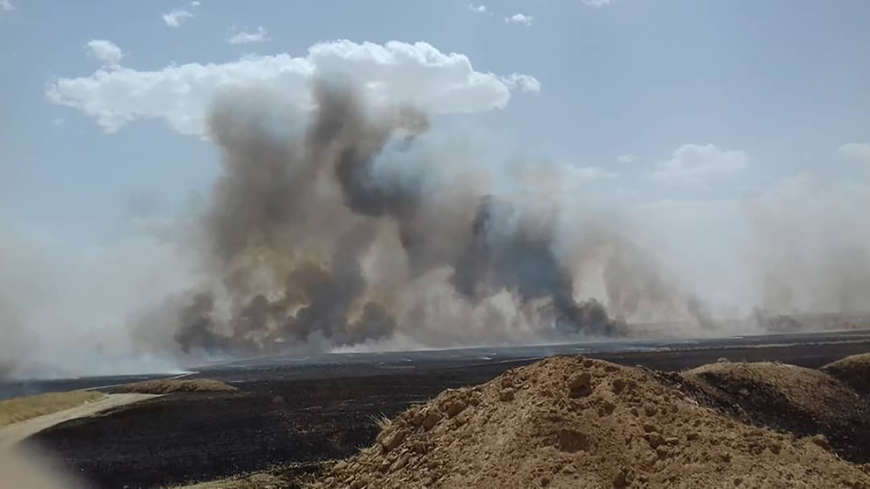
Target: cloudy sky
(684, 111)
(679, 99)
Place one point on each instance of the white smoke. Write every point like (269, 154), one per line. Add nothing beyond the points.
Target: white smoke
(65, 310)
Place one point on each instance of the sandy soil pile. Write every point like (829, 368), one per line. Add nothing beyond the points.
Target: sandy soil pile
(167, 386)
(786, 397)
(574, 422)
(853, 370)
(796, 387)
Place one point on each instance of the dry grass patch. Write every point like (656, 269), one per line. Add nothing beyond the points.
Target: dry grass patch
(23, 408)
(167, 386)
(251, 481)
(381, 421)
(291, 476)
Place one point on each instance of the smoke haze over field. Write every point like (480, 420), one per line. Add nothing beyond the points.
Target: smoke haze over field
(356, 200)
(337, 232)
(350, 225)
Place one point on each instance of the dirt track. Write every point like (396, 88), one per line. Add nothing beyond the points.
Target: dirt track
(12, 434)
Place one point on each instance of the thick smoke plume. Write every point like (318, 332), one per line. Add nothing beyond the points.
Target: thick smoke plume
(355, 223)
(342, 232)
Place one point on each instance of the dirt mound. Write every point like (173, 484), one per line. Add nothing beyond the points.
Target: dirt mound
(574, 422)
(167, 386)
(786, 397)
(853, 370)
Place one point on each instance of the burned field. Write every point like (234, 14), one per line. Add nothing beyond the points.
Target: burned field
(296, 415)
(201, 436)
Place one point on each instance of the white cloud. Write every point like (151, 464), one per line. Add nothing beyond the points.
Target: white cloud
(106, 51)
(480, 9)
(596, 3)
(521, 19)
(856, 151)
(241, 37)
(6, 6)
(626, 158)
(417, 74)
(195, 3)
(521, 82)
(694, 164)
(176, 17)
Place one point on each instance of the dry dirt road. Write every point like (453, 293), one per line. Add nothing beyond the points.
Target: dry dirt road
(12, 434)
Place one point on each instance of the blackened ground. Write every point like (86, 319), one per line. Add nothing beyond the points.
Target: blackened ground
(201, 436)
(284, 415)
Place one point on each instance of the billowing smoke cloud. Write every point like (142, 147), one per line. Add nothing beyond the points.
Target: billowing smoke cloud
(507, 252)
(343, 216)
(303, 213)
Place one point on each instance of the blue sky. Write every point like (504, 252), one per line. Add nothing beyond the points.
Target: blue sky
(783, 81)
(726, 131)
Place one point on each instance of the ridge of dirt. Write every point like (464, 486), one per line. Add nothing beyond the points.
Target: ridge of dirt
(575, 422)
(803, 401)
(854, 370)
(168, 386)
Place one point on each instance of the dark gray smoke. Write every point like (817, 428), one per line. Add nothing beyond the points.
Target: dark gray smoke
(301, 224)
(507, 253)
